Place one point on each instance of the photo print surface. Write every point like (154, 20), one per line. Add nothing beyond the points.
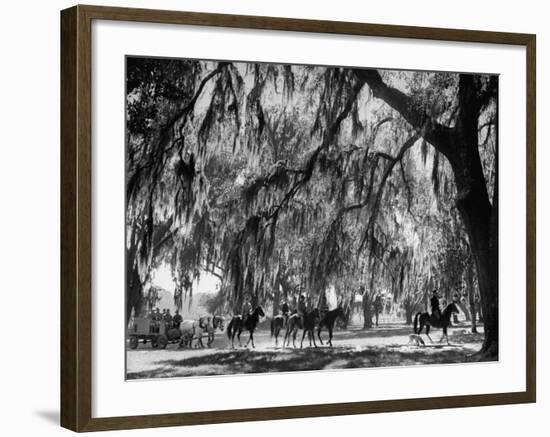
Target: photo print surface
(303, 218)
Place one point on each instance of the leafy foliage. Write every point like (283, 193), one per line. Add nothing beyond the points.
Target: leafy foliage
(283, 180)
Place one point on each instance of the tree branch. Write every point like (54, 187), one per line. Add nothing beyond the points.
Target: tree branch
(435, 133)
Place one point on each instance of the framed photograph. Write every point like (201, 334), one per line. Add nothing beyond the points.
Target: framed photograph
(268, 218)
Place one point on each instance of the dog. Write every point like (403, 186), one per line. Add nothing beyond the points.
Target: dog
(416, 339)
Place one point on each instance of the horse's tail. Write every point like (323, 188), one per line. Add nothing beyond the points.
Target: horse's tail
(272, 327)
(415, 325)
(229, 328)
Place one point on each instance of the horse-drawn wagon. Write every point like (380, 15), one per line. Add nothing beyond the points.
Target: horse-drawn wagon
(148, 330)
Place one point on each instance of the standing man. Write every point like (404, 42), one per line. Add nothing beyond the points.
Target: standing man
(177, 319)
(434, 303)
(168, 317)
(157, 317)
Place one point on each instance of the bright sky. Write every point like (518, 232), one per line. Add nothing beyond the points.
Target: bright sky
(207, 283)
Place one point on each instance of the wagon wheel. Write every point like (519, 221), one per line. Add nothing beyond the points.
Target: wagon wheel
(173, 334)
(133, 342)
(162, 341)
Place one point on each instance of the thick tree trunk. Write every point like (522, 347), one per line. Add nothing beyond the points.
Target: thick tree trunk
(481, 222)
(486, 259)
(479, 216)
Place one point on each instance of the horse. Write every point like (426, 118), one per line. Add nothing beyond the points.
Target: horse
(189, 331)
(328, 321)
(424, 319)
(196, 330)
(308, 325)
(237, 324)
(209, 326)
(277, 324)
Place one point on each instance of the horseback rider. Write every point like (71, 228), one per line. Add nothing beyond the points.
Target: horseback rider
(285, 310)
(246, 309)
(436, 309)
(177, 319)
(302, 308)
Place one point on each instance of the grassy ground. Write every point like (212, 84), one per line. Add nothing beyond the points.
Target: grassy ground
(353, 348)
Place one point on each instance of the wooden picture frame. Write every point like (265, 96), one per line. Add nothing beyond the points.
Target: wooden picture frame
(76, 217)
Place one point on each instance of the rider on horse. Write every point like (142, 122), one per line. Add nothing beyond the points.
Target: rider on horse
(302, 308)
(246, 309)
(285, 310)
(436, 309)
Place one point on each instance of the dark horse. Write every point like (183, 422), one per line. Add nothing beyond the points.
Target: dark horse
(424, 319)
(328, 321)
(277, 324)
(294, 323)
(236, 326)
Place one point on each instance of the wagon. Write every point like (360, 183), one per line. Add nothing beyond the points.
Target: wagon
(148, 330)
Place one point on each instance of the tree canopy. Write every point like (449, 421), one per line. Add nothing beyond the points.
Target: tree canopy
(284, 179)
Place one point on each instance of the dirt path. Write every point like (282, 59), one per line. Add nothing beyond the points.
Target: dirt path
(353, 348)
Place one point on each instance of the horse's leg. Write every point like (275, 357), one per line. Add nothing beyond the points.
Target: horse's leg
(288, 333)
(303, 336)
(428, 333)
(252, 338)
(330, 336)
(294, 334)
(313, 337)
(445, 335)
(319, 335)
(239, 337)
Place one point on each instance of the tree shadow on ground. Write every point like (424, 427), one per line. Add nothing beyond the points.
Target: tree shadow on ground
(378, 332)
(386, 330)
(246, 361)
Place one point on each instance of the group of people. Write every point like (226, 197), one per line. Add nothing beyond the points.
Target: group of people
(302, 306)
(170, 321)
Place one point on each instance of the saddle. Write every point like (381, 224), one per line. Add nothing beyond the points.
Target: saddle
(435, 318)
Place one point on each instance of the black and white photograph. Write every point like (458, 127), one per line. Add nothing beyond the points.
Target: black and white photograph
(285, 217)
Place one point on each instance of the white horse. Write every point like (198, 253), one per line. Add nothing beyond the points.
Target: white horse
(198, 329)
